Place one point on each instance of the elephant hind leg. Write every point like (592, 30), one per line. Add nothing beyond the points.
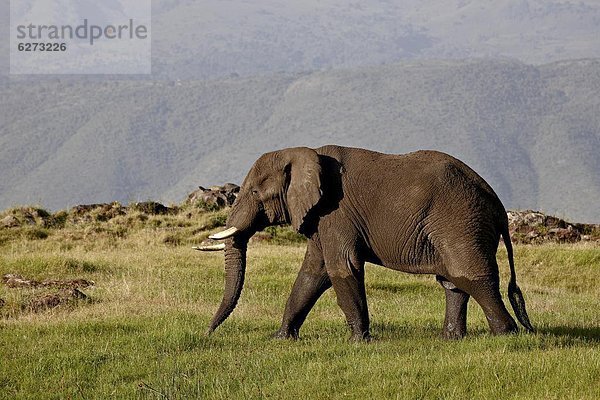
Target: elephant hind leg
(487, 294)
(455, 321)
(476, 273)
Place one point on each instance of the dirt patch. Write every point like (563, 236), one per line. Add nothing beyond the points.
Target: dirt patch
(36, 296)
(52, 300)
(17, 281)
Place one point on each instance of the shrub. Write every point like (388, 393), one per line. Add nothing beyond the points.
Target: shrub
(57, 220)
(204, 206)
(218, 220)
(283, 235)
(35, 233)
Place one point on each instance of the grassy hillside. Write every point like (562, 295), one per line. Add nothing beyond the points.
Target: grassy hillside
(139, 331)
(532, 132)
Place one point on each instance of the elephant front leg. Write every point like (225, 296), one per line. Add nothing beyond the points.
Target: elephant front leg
(455, 322)
(349, 284)
(311, 282)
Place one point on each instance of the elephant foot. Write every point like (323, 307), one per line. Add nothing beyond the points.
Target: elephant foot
(364, 337)
(286, 334)
(454, 332)
(503, 327)
(452, 335)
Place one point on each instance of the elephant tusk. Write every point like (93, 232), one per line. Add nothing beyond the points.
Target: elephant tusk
(224, 234)
(210, 247)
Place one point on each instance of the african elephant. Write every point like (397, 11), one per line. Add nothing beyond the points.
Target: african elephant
(432, 215)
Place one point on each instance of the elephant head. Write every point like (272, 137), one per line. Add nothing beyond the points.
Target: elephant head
(281, 187)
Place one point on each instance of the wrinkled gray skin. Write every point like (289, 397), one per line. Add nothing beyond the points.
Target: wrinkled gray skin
(423, 213)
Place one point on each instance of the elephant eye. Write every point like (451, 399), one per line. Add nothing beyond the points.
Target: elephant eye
(254, 192)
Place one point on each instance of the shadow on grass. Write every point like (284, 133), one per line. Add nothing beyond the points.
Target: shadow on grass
(385, 331)
(573, 332)
(389, 330)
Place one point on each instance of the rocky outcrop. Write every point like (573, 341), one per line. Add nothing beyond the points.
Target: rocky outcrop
(215, 197)
(152, 208)
(535, 227)
(10, 221)
(96, 212)
(25, 216)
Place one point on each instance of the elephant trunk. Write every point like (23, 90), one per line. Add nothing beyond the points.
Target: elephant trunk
(244, 220)
(235, 268)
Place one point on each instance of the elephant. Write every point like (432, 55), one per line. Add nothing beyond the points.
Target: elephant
(424, 212)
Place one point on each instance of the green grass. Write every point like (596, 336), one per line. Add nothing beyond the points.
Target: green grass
(141, 334)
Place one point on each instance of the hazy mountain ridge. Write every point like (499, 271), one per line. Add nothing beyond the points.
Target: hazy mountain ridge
(217, 38)
(532, 132)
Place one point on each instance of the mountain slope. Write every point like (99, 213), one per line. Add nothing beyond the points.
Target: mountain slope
(532, 132)
(215, 38)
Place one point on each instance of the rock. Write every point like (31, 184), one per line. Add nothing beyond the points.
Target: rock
(25, 216)
(529, 217)
(96, 212)
(231, 187)
(216, 196)
(535, 227)
(86, 208)
(565, 235)
(10, 221)
(213, 197)
(151, 207)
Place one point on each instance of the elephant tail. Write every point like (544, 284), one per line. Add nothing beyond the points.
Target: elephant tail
(514, 293)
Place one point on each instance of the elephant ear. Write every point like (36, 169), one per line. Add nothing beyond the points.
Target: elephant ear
(304, 190)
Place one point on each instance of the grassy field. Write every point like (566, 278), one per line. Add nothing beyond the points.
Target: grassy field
(140, 333)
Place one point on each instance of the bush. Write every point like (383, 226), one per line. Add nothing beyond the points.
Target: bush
(35, 233)
(173, 239)
(283, 235)
(204, 206)
(57, 220)
(218, 220)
